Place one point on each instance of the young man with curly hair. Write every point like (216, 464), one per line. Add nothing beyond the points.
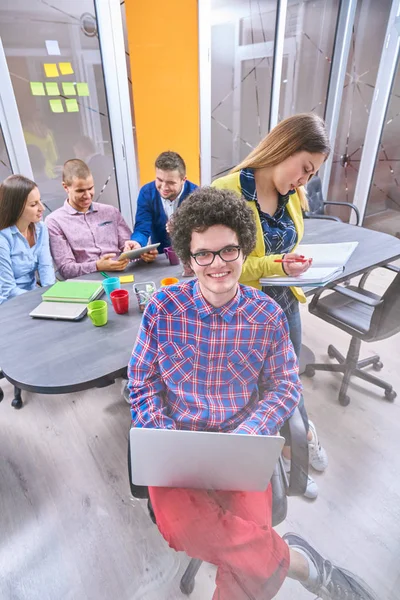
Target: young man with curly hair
(214, 355)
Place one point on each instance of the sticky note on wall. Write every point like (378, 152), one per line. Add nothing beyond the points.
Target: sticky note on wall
(37, 88)
(72, 105)
(56, 105)
(82, 89)
(52, 88)
(66, 68)
(50, 70)
(68, 89)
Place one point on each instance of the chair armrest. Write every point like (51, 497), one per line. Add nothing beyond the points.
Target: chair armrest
(357, 296)
(348, 204)
(393, 268)
(295, 431)
(309, 215)
(364, 278)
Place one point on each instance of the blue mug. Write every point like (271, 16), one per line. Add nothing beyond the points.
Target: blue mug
(110, 284)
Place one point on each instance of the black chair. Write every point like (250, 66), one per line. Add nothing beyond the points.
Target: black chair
(317, 204)
(17, 400)
(283, 485)
(366, 317)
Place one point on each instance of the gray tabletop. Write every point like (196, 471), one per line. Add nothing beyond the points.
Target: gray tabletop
(48, 356)
(61, 356)
(374, 248)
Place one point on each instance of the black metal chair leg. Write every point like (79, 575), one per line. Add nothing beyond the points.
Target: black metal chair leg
(334, 353)
(17, 402)
(187, 581)
(310, 369)
(366, 362)
(1, 394)
(372, 379)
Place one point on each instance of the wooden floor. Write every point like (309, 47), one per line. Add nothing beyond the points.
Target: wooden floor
(69, 529)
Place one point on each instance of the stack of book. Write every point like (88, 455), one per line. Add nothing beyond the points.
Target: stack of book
(81, 292)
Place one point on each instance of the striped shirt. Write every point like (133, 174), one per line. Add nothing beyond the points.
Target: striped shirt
(198, 367)
(280, 236)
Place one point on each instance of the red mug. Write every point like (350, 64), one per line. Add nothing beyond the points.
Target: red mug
(120, 301)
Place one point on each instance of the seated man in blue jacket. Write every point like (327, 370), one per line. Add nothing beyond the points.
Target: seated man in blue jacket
(157, 202)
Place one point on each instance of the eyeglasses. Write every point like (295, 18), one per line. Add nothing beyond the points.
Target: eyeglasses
(207, 257)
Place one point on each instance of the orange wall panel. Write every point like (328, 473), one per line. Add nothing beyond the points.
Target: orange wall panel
(164, 58)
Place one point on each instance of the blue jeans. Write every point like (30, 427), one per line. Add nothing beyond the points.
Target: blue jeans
(294, 322)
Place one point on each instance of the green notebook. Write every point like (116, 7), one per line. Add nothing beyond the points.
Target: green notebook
(73, 291)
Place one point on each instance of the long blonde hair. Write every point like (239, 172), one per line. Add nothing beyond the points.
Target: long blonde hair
(303, 132)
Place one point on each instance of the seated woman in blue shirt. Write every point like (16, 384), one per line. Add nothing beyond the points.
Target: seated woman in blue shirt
(24, 240)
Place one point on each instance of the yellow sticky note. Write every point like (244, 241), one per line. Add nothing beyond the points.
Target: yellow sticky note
(37, 88)
(72, 105)
(56, 106)
(127, 278)
(51, 70)
(66, 68)
(52, 88)
(83, 89)
(68, 89)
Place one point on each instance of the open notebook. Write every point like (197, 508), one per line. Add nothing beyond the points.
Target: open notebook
(329, 261)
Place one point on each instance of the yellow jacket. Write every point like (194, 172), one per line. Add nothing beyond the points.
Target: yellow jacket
(258, 264)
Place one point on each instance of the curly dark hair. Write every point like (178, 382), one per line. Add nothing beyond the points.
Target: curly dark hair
(209, 206)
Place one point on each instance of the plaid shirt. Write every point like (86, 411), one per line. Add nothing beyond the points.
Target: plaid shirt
(198, 367)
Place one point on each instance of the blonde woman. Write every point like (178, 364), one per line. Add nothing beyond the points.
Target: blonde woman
(271, 179)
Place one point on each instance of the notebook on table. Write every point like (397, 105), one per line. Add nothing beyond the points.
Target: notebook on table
(81, 292)
(65, 311)
(203, 459)
(329, 261)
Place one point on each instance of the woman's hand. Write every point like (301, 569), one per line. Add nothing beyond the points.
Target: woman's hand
(294, 264)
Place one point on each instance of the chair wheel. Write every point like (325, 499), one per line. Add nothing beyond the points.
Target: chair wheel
(187, 588)
(377, 366)
(1, 394)
(344, 400)
(331, 351)
(309, 371)
(390, 395)
(17, 403)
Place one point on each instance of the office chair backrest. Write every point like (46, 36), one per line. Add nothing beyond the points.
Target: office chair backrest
(314, 195)
(385, 320)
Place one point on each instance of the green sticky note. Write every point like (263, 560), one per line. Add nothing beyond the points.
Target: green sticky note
(52, 88)
(56, 106)
(72, 105)
(50, 70)
(37, 88)
(83, 89)
(68, 89)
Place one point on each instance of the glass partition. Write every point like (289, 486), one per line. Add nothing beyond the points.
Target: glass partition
(309, 39)
(59, 88)
(5, 167)
(362, 67)
(242, 46)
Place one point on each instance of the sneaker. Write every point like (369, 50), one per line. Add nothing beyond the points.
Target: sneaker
(312, 489)
(334, 583)
(125, 391)
(317, 456)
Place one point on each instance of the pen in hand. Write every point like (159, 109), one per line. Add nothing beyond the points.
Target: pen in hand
(292, 260)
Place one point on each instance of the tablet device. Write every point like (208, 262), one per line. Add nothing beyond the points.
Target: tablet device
(66, 311)
(138, 251)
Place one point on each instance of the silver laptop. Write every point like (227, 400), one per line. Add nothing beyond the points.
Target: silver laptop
(66, 311)
(201, 459)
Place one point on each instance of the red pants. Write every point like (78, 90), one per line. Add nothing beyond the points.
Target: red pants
(229, 529)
